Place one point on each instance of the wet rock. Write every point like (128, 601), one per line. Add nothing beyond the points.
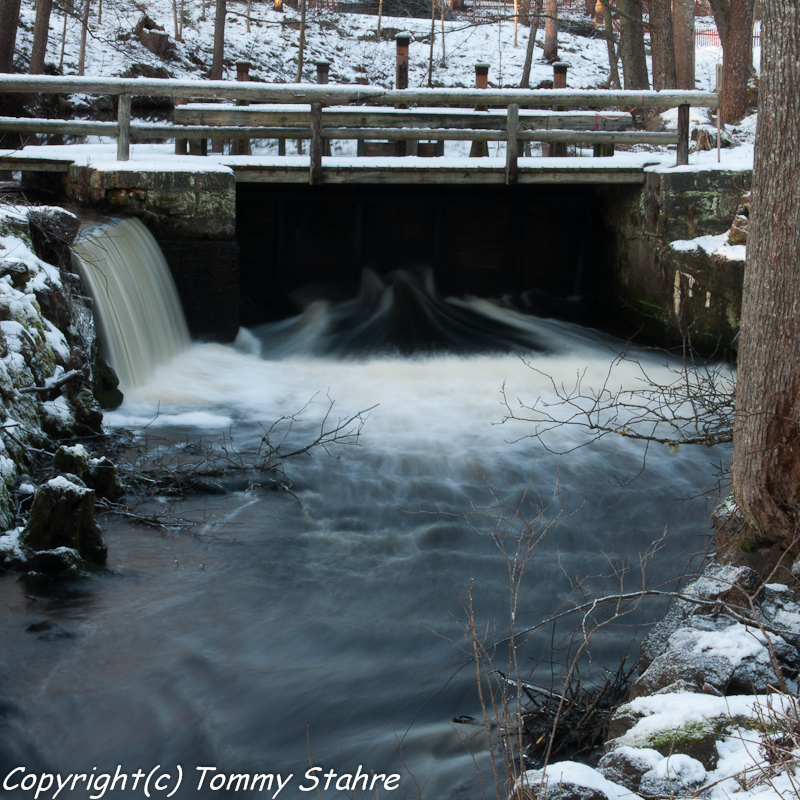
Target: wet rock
(53, 230)
(88, 416)
(718, 586)
(565, 780)
(718, 654)
(47, 630)
(62, 516)
(679, 665)
(674, 775)
(61, 562)
(105, 383)
(738, 232)
(627, 765)
(102, 477)
(74, 460)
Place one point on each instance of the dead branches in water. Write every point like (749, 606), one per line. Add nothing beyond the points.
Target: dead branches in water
(152, 466)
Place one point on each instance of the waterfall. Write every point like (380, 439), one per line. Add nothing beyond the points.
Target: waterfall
(137, 310)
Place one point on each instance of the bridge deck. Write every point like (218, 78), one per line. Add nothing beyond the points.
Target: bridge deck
(623, 168)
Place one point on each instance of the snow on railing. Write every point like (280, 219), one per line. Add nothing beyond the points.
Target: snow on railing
(313, 97)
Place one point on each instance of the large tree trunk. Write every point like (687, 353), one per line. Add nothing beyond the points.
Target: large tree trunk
(683, 31)
(9, 17)
(734, 19)
(736, 60)
(217, 62)
(766, 445)
(662, 45)
(551, 31)
(631, 45)
(41, 31)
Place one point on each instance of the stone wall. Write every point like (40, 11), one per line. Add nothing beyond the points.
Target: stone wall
(193, 217)
(673, 293)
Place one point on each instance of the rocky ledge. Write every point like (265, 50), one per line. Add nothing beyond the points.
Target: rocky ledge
(52, 387)
(714, 712)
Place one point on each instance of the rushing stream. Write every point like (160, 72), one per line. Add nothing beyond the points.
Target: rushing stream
(325, 624)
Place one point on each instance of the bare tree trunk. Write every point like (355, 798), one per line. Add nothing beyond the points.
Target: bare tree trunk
(551, 31)
(84, 32)
(433, 39)
(766, 445)
(219, 41)
(175, 20)
(67, 10)
(736, 60)
(734, 20)
(9, 14)
(613, 70)
(683, 31)
(662, 45)
(301, 50)
(41, 31)
(525, 81)
(631, 45)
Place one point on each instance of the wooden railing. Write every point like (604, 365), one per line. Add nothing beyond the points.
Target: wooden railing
(503, 123)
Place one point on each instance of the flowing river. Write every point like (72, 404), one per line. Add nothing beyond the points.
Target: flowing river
(324, 626)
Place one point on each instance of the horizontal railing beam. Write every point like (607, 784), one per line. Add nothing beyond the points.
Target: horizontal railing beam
(327, 94)
(384, 118)
(165, 131)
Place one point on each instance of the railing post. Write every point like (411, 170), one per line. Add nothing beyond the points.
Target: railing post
(124, 123)
(479, 149)
(315, 176)
(402, 40)
(241, 147)
(683, 135)
(512, 129)
(558, 149)
(323, 70)
(401, 67)
(181, 143)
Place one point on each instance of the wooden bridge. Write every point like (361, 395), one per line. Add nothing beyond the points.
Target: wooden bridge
(413, 123)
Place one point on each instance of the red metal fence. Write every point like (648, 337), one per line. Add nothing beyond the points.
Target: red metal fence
(709, 37)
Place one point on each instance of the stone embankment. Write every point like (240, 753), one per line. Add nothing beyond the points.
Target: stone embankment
(50, 415)
(714, 711)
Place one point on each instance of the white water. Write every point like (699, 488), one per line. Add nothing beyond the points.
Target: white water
(137, 309)
(330, 621)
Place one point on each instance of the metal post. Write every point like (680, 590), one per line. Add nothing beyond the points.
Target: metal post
(480, 149)
(683, 135)
(124, 123)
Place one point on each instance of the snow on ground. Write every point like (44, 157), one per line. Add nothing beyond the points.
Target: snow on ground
(348, 41)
